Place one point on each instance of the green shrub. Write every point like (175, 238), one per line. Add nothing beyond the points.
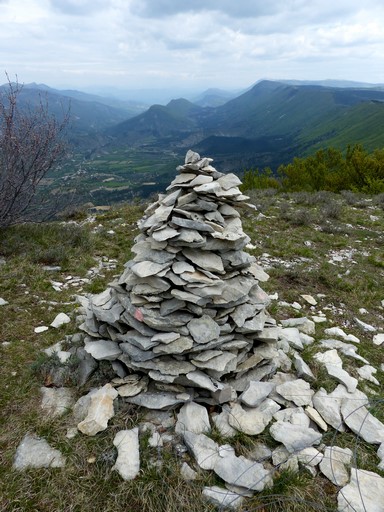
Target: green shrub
(256, 179)
(327, 170)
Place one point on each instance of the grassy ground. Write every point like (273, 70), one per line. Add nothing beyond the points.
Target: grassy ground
(309, 244)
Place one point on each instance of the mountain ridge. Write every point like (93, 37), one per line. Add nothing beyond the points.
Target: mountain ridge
(271, 120)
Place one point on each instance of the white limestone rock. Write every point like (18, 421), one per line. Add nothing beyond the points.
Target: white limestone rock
(337, 331)
(40, 329)
(297, 391)
(309, 457)
(62, 355)
(316, 418)
(128, 456)
(347, 349)
(258, 272)
(252, 421)
(56, 401)
(329, 409)
(221, 422)
(302, 369)
(103, 350)
(303, 324)
(292, 335)
(319, 319)
(100, 411)
(34, 452)
(334, 464)
(204, 449)
(260, 452)
(284, 460)
(223, 498)
(240, 471)
(155, 440)
(380, 454)
(365, 327)
(342, 376)
(308, 298)
(256, 392)
(294, 437)
(60, 319)
(366, 372)
(333, 365)
(80, 409)
(193, 418)
(362, 422)
(378, 339)
(187, 472)
(329, 405)
(164, 234)
(191, 157)
(294, 415)
(306, 339)
(229, 181)
(364, 493)
(330, 357)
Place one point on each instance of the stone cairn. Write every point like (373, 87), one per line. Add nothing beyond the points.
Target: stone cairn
(188, 309)
(185, 323)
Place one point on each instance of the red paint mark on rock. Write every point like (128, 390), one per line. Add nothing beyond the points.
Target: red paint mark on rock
(139, 315)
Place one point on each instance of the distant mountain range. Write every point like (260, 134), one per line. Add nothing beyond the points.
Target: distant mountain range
(265, 125)
(89, 113)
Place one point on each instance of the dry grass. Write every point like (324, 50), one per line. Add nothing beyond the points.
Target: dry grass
(87, 483)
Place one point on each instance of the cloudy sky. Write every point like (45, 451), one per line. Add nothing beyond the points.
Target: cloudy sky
(190, 44)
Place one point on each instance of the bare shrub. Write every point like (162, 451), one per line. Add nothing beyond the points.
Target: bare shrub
(379, 200)
(350, 197)
(331, 210)
(301, 217)
(31, 142)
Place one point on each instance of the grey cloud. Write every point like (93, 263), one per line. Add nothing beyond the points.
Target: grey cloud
(174, 44)
(78, 7)
(235, 8)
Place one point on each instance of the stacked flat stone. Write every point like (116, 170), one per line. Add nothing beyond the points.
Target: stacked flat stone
(188, 308)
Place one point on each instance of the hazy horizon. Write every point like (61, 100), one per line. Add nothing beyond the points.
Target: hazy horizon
(163, 96)
(190, 45)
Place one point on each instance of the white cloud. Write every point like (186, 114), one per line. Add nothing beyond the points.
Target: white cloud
(79, 7)
(224, 43)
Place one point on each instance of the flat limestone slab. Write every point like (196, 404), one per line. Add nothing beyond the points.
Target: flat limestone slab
(223, 498)
(364, 493)
(294, 437)
(34, 452)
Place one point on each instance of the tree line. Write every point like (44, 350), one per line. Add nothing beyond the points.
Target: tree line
(328, 169)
